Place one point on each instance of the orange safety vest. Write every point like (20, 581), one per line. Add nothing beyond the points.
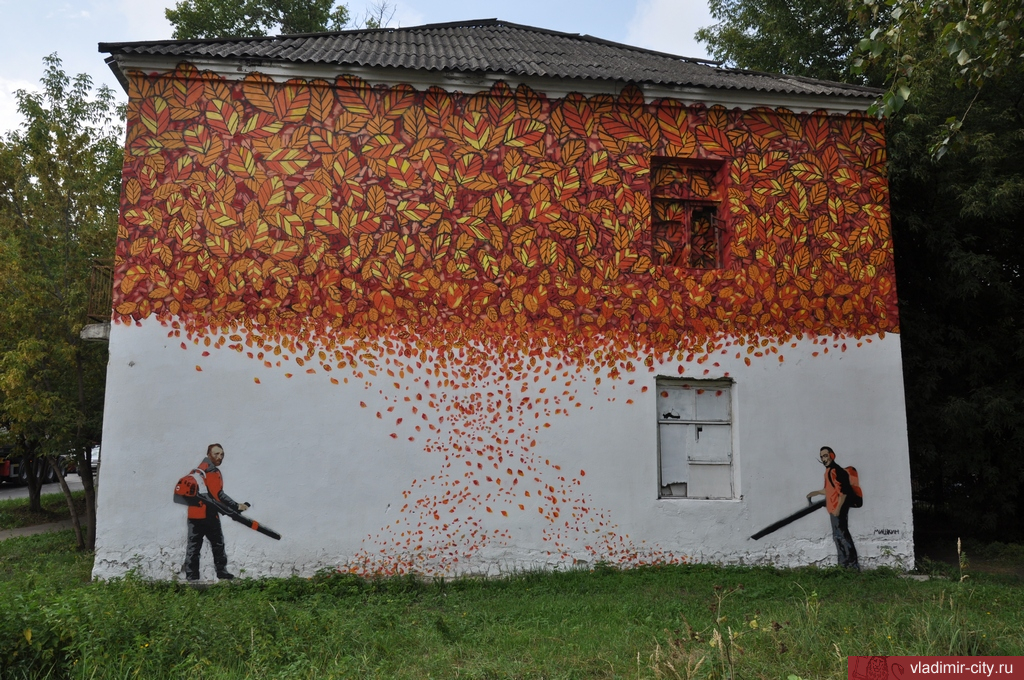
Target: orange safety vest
(833, 489)
(215, 486)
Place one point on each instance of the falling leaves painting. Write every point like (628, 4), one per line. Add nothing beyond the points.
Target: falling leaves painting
(480, 262)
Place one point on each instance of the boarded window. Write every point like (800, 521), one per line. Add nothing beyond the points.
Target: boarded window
(685, 199)
(695, 439)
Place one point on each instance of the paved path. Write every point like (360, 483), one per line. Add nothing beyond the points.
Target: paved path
(9, 491)
(36, 529)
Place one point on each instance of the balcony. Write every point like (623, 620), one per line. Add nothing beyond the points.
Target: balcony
(100, 303)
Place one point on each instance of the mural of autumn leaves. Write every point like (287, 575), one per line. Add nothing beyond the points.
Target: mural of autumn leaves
(508, 237)
(379, 208)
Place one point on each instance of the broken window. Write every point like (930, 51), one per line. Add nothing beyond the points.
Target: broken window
(684, 198)
(695, 438)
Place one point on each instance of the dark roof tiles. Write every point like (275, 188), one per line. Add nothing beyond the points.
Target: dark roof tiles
(489, 46)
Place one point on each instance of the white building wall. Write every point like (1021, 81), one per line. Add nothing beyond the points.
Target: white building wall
(326, 473)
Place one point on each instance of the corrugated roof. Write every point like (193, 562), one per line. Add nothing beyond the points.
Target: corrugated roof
(488, 46)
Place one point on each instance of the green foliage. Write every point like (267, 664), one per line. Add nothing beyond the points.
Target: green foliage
(15, 512)
(59, 188)
(248, 18)
(968, 44)
(955, 222)
(811, 38)
(958, 255)
(671, 622)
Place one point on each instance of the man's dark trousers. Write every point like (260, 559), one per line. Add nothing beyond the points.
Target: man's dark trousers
(197, 530)
(845, 549)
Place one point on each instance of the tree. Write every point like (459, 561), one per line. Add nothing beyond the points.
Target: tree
(379, 14)
(956, 239)
(956, 224)
(970, 43)
(59, 189)
(811, 38)
(249, 18)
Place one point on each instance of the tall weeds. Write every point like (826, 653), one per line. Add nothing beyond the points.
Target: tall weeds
(677, 623)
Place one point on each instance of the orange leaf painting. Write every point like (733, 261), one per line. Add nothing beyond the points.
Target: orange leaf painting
(259, 91)
(491, 237)
(225, 117)
(356, 96)
(321, 100)
(579, 116)
(524, 132)
(624, 127)
(714, 140)
(155, 115)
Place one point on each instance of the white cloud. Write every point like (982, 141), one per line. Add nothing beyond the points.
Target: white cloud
(404, 15)
(146, 20)
(68, 12)
(669, 25)
(407, 16)
(9, 116)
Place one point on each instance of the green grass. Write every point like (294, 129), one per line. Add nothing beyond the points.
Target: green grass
(14, 512)
(643, 623)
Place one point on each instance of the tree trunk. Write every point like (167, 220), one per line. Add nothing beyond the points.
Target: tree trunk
(85, 471)
(31, 475)
(84, 459)
(34, 484)
(71, 502)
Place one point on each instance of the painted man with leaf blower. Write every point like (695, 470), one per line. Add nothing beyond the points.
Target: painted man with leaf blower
(841, 493)
(204, 521)
(202, 490)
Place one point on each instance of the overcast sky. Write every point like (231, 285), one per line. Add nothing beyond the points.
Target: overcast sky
(31, 29)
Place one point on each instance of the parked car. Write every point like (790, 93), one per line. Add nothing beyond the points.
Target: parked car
(71, 465)
(10, 466)
(14, 471)
(94, 461)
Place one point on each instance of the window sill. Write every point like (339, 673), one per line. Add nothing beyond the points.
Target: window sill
(689, 498)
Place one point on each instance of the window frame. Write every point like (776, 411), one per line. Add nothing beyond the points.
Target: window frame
(715, 169)
(662, 382)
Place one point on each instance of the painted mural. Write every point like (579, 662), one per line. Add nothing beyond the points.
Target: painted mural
(842, 492)
(202, 491)
(450, 253)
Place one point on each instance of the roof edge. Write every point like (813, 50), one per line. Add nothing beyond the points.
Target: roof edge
(867, 89)
(471, 82)
(115, 49)
(110, 47)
